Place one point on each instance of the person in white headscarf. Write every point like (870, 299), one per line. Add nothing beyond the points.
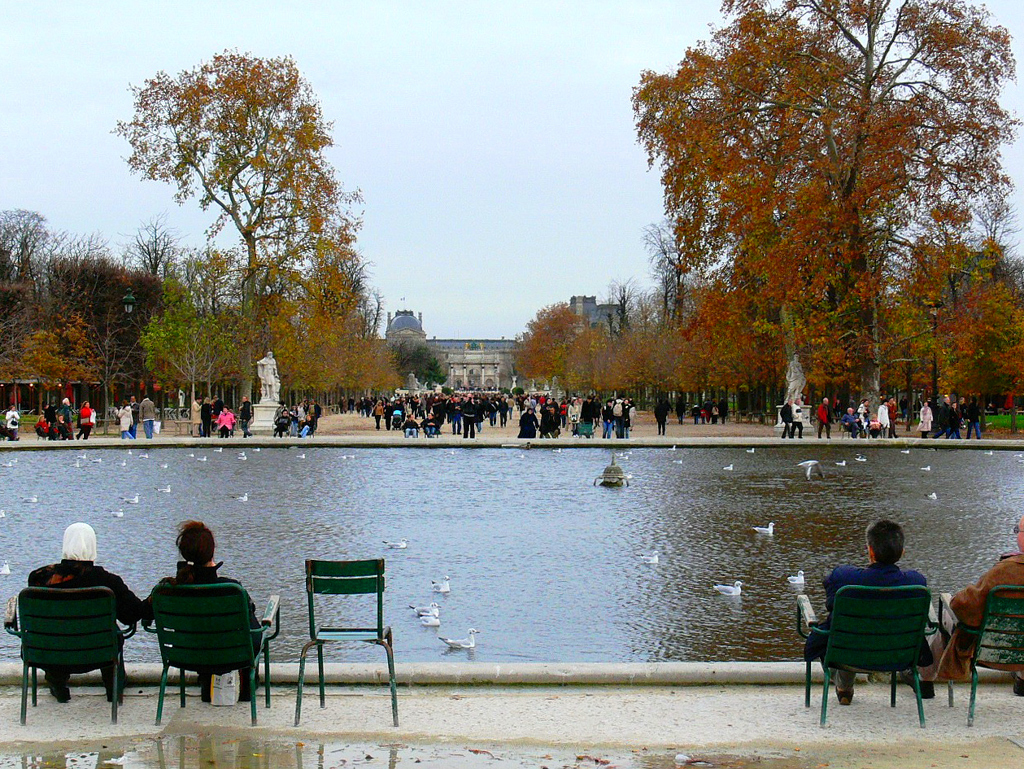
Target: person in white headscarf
(77, 568)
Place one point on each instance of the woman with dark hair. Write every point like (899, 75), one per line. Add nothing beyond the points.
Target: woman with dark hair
(77, 568)
(196, 545)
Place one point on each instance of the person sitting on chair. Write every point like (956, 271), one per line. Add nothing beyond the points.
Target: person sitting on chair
(885, 548)
(411, 427)
(77, 569)
(969, 607)
(196, 544)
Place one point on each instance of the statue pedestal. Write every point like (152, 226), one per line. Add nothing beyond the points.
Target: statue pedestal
(263, 417)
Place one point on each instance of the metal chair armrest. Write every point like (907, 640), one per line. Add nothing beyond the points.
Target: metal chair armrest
(272, 616)
(805, 616)
(129, 631)
(148, 626)
(11, 615)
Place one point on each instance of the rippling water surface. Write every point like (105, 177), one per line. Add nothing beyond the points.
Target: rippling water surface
(544, 564)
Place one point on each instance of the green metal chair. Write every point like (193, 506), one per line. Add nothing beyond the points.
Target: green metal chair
(872, 629)
(205, 629)
(345, 578)
(999, 641)
(75, 629)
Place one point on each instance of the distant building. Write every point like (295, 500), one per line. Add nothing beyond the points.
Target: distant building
(472, 364)
(596, 314)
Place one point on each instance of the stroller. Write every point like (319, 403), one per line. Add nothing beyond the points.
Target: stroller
(397, 418)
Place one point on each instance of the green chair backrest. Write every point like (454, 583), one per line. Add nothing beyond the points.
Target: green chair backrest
(345, 578)
(877, 628)
(74, 627)
(1001, 636)
(203, 625)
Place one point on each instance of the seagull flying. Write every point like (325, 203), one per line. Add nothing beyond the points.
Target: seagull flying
(812, 466)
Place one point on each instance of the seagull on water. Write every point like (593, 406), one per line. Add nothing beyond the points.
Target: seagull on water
(257, 449)
(421, 611)
(400, 545)
(462, 643)
(165, 489)
(163, 465)
(5, 569)
(798, 579)
(33, 498)
(677, 461)
(728, 467)
(926, 469)
(124, 463)
(129, 452)
(988, 453)
(9, 464)
(812, 466)
(78, 463)
(769, 530)
(191, 456)
(860, 458)
(301, 456)
(841, 464)
(673, 447)
(218, 450)
(3, 514)
(429, 620)
(651, 559)
(444, 587)
(933, 495)
(243, 497)
(556, 451)
(736, 588)
(131, 500)
(243, 458)
(143, 456)
(97, 460)
(200, 459)
(904, 451)
(117, 513)
(750, 451)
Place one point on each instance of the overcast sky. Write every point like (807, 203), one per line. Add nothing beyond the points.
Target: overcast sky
(493, 141)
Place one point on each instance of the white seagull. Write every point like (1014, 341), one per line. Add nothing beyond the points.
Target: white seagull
(841, 463)
(860, 458)
(926, 469)
(117, 513)
(256, 449)
(165, 489)
(904, 451)
(798, 579)
(191, 456)
(163, 465)
(243, 458)
(143, 456)
(933, 495)
(218, 450)
(768, 530)
(429, 620)
(9, 464)
(677, 461)
(812, 466)
(421, 611)
(33, 498)
(462, 643)
(988, 453)
(124, 463)
(131, 500)
(400, 545)
(97, 460)
(750, 451)
(200, 459)
(3, 514)
(443, 587)
(651, 559)
(736, 588)
(727, 467)
(301, 456)
(243, 497)
(5, 569)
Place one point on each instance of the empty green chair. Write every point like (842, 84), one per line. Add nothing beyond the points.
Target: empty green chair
(205, 628)
(75, 629)
(345, 578)
(999, 641)
(872, 629)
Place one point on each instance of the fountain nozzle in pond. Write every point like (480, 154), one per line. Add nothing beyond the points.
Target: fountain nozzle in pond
(613, 475)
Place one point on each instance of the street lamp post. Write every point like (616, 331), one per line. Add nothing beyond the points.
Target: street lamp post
(933, 310)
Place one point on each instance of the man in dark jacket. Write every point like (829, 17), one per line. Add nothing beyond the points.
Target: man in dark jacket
(661, 412)
(885, 548)
(77, 569)
(469, 414)
(680, 409)
(245, 416)
(786, 415)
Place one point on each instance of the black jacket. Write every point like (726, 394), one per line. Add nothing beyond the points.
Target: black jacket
(72, 574)
(246, 411)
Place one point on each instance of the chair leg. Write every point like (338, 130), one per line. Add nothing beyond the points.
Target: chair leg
(949, 687)
(266, 672)
(824, 696)
(807, 686)
(391, 677)
(181, 685)
(163, 688)
(917, 691)
(116, 692)
(320, 667)
(974, 694)
(302, 676)
(252, 690)
(892, 690)
(24, 692)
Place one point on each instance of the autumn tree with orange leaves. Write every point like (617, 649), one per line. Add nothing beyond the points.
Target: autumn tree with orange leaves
(807, 146)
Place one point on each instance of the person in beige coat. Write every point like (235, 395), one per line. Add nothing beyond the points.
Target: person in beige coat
(969, 606)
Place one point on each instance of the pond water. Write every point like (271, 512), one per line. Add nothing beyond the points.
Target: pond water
(545, 565)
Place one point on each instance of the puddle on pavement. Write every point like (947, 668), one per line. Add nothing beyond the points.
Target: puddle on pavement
(209, 752)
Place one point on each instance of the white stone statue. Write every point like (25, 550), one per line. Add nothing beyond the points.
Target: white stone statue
(795, 380)
(266, 369)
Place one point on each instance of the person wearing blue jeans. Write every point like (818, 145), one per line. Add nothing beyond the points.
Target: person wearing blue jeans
(973, 415)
